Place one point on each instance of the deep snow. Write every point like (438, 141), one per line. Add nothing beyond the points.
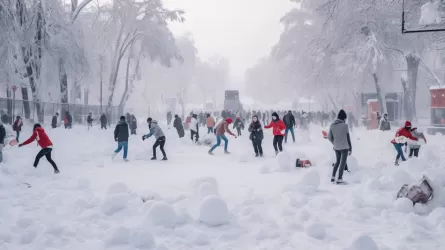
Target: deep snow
(197, 201)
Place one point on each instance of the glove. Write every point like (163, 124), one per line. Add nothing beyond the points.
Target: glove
(350, 152)
(144, 137)
(20, 145)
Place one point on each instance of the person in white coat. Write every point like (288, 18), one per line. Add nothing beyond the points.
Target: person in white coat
(194, 128)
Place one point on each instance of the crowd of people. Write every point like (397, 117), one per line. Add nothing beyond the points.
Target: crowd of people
(281, 125)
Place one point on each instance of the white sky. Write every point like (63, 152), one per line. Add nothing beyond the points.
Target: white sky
(241, 30)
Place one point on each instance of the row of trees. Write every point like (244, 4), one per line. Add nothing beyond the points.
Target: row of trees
(332, 49)
(92, 52)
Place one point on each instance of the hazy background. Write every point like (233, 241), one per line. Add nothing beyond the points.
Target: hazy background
(241, 30)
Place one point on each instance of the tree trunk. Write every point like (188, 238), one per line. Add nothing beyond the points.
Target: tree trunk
(127, 80)
(412, 62)
(382, 101)
(405, 98)
(63, 80)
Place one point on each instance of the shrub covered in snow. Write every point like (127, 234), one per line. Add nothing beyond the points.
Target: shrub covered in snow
(213, 211)
(162, 214)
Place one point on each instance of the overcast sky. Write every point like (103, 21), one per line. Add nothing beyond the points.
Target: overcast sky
(241, 30)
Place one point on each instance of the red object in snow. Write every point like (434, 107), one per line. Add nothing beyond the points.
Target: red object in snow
(324, 133)
(41, 137)
(301, 163)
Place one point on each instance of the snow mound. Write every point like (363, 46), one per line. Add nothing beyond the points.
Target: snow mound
(315, 231)
(150, 196)
(401, 177)
(117, 188)
(162, 214)
(208, 139)
(437, 215)
(142, 239)
(284, 161)
(120, 236)
(430, 13)
(195, 184)
(201, 239)
(207, 189)
(403, 205)
(114, 204)
(311, 179)
(364, 242)
(213, 211)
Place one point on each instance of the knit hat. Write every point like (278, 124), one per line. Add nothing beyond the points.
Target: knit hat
(229, 120)
(407, 124)
(149, 119)
(122, 118)
(342, 115)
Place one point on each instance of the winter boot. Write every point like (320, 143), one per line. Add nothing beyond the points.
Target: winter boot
(210, 153)
(153, 158)
(261, 155)
(276, 152)
(341, 182)
(164, 159)
(113, 155)
(396, 163)
(226, 152)
(56, 171)
(333, 179)
(256, 155)
(126, 160)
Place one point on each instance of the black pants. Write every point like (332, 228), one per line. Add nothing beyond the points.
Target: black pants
(340, 163)
(238, 130)
(194, 133)
(47, 153)
(278, 143)
(257, 146)
(159, 142)
(133, 131)
(414, 151)
(103, 126)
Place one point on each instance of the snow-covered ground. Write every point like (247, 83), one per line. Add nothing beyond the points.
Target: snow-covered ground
(197, 201)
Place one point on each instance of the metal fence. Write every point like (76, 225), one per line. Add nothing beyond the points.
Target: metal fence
(79, 112)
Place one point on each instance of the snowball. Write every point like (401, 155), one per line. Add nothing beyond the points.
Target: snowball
(403, 205)
(401, 177)
(195, 184)
(201, 239)
(284, 161)
(162, 214)
(213, 211)
(311, 179)
(421, 209)
(120, 236)
(142, 239)
(315, 231)
(206, 189)
(117, 188)
(364, 242)
(114, 204)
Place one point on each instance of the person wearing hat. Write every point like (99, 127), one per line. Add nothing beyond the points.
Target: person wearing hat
(17, 126)
(340, 139)
(159, 135)
(415, 148)
(45, 143)
(278, 128)
(220, 131)
(121, 135)
(401, 137)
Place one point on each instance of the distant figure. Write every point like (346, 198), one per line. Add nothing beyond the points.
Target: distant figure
(169, 118)
(17, 127)
(54, 120)
(90, 120)
(2, 140)
(103, 121)
(133, 125)
(179, 127)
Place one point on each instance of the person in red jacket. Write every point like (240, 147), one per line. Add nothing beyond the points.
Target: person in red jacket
(43, 140)
(278, 128)
(400, 139)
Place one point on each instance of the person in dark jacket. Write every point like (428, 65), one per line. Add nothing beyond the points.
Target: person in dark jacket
(68, 120)
(134, 125)
(238, 125)
(169, 118)
(339, 137)
(289, 121)
(103, 121)
(179, 127)
(384, 123)
(54, 120)
(90, 120)
(17, 127)
(121, 136)
(256, 136)
(2, 140)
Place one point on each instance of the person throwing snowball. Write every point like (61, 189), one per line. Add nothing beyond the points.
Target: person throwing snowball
(43, 140)
(220, 131)
(159, 135)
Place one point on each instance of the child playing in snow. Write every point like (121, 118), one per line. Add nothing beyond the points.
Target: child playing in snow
(43, 140)
(121, 136)
(415, 148)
